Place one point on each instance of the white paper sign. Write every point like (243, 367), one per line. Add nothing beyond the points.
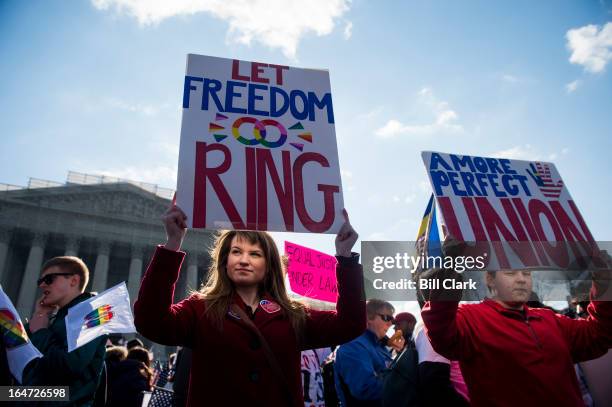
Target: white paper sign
(521, 210)
(106, 313)
(258, 148)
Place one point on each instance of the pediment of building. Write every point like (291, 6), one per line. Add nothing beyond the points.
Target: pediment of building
(104, 199)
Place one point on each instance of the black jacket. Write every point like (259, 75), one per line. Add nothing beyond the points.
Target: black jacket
(126, 383)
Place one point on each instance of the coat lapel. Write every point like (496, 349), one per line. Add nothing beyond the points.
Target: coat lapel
(267, 311)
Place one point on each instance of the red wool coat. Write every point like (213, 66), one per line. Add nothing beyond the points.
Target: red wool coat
(513, 359)
(230, 367)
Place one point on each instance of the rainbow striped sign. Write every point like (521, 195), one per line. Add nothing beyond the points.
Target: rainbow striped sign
(12, 330)
(99, 316)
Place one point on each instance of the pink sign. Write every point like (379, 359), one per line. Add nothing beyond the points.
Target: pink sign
(312, 274)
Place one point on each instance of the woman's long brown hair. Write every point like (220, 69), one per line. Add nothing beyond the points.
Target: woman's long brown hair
(219, 289)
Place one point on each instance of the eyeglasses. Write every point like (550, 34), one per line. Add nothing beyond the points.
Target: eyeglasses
(386, 317)
(50, 278)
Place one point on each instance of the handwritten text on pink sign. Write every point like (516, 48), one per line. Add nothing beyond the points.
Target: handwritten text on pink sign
(312, 274)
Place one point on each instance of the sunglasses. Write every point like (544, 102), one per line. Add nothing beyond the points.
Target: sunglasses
(386, 318)
(50, 278)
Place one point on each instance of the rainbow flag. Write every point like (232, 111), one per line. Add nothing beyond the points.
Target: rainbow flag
(12, 329)
(99, 316)
(19, 349)
(106, 313)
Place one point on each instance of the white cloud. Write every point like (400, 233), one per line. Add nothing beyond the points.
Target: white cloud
(425, 186)
(445, 119)
(347, 180)
(510, 78)
(160, 175)
(591, 46)
(377, 236)
(524, 152)
(555, 155)
(348, 30)
(147, 110)
(375, 199)
(401, 229)
(83, 102)
(372, 114)
(395, 128)
(169, 149)
(528, 152)
(572, 86)
(409, 198)
(391, 128)
(274, 23)
(425, 91)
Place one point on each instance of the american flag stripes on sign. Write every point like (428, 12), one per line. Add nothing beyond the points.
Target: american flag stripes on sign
(549, 188)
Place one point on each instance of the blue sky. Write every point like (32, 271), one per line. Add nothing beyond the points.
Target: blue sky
(96, 87)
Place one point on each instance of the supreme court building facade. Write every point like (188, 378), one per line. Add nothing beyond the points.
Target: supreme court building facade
(113, 225)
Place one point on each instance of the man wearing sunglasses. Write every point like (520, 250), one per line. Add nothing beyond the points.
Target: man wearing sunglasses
(360, 363)
(62, 283)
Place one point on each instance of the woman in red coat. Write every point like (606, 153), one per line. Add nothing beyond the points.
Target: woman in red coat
(245, 332)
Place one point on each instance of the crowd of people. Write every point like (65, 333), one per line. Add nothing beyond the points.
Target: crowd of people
(243, 341)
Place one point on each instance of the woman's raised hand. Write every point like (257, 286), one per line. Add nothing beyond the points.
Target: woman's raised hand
(174, 220)
(346, 237)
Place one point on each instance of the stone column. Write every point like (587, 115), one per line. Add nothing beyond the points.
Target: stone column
(134, 276)
(27, 291)
(101, 269)
(5, 239)
(191, 283)
(72, 246)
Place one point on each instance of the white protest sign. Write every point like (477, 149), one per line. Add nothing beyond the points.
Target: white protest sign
(258, 148)
(106, 313)
(521, 211)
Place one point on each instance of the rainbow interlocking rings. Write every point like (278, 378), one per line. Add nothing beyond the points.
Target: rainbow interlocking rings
(259, 132)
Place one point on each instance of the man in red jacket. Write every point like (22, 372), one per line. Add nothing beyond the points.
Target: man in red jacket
(513, 355)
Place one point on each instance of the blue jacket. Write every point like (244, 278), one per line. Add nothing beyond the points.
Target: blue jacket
(359, 364)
